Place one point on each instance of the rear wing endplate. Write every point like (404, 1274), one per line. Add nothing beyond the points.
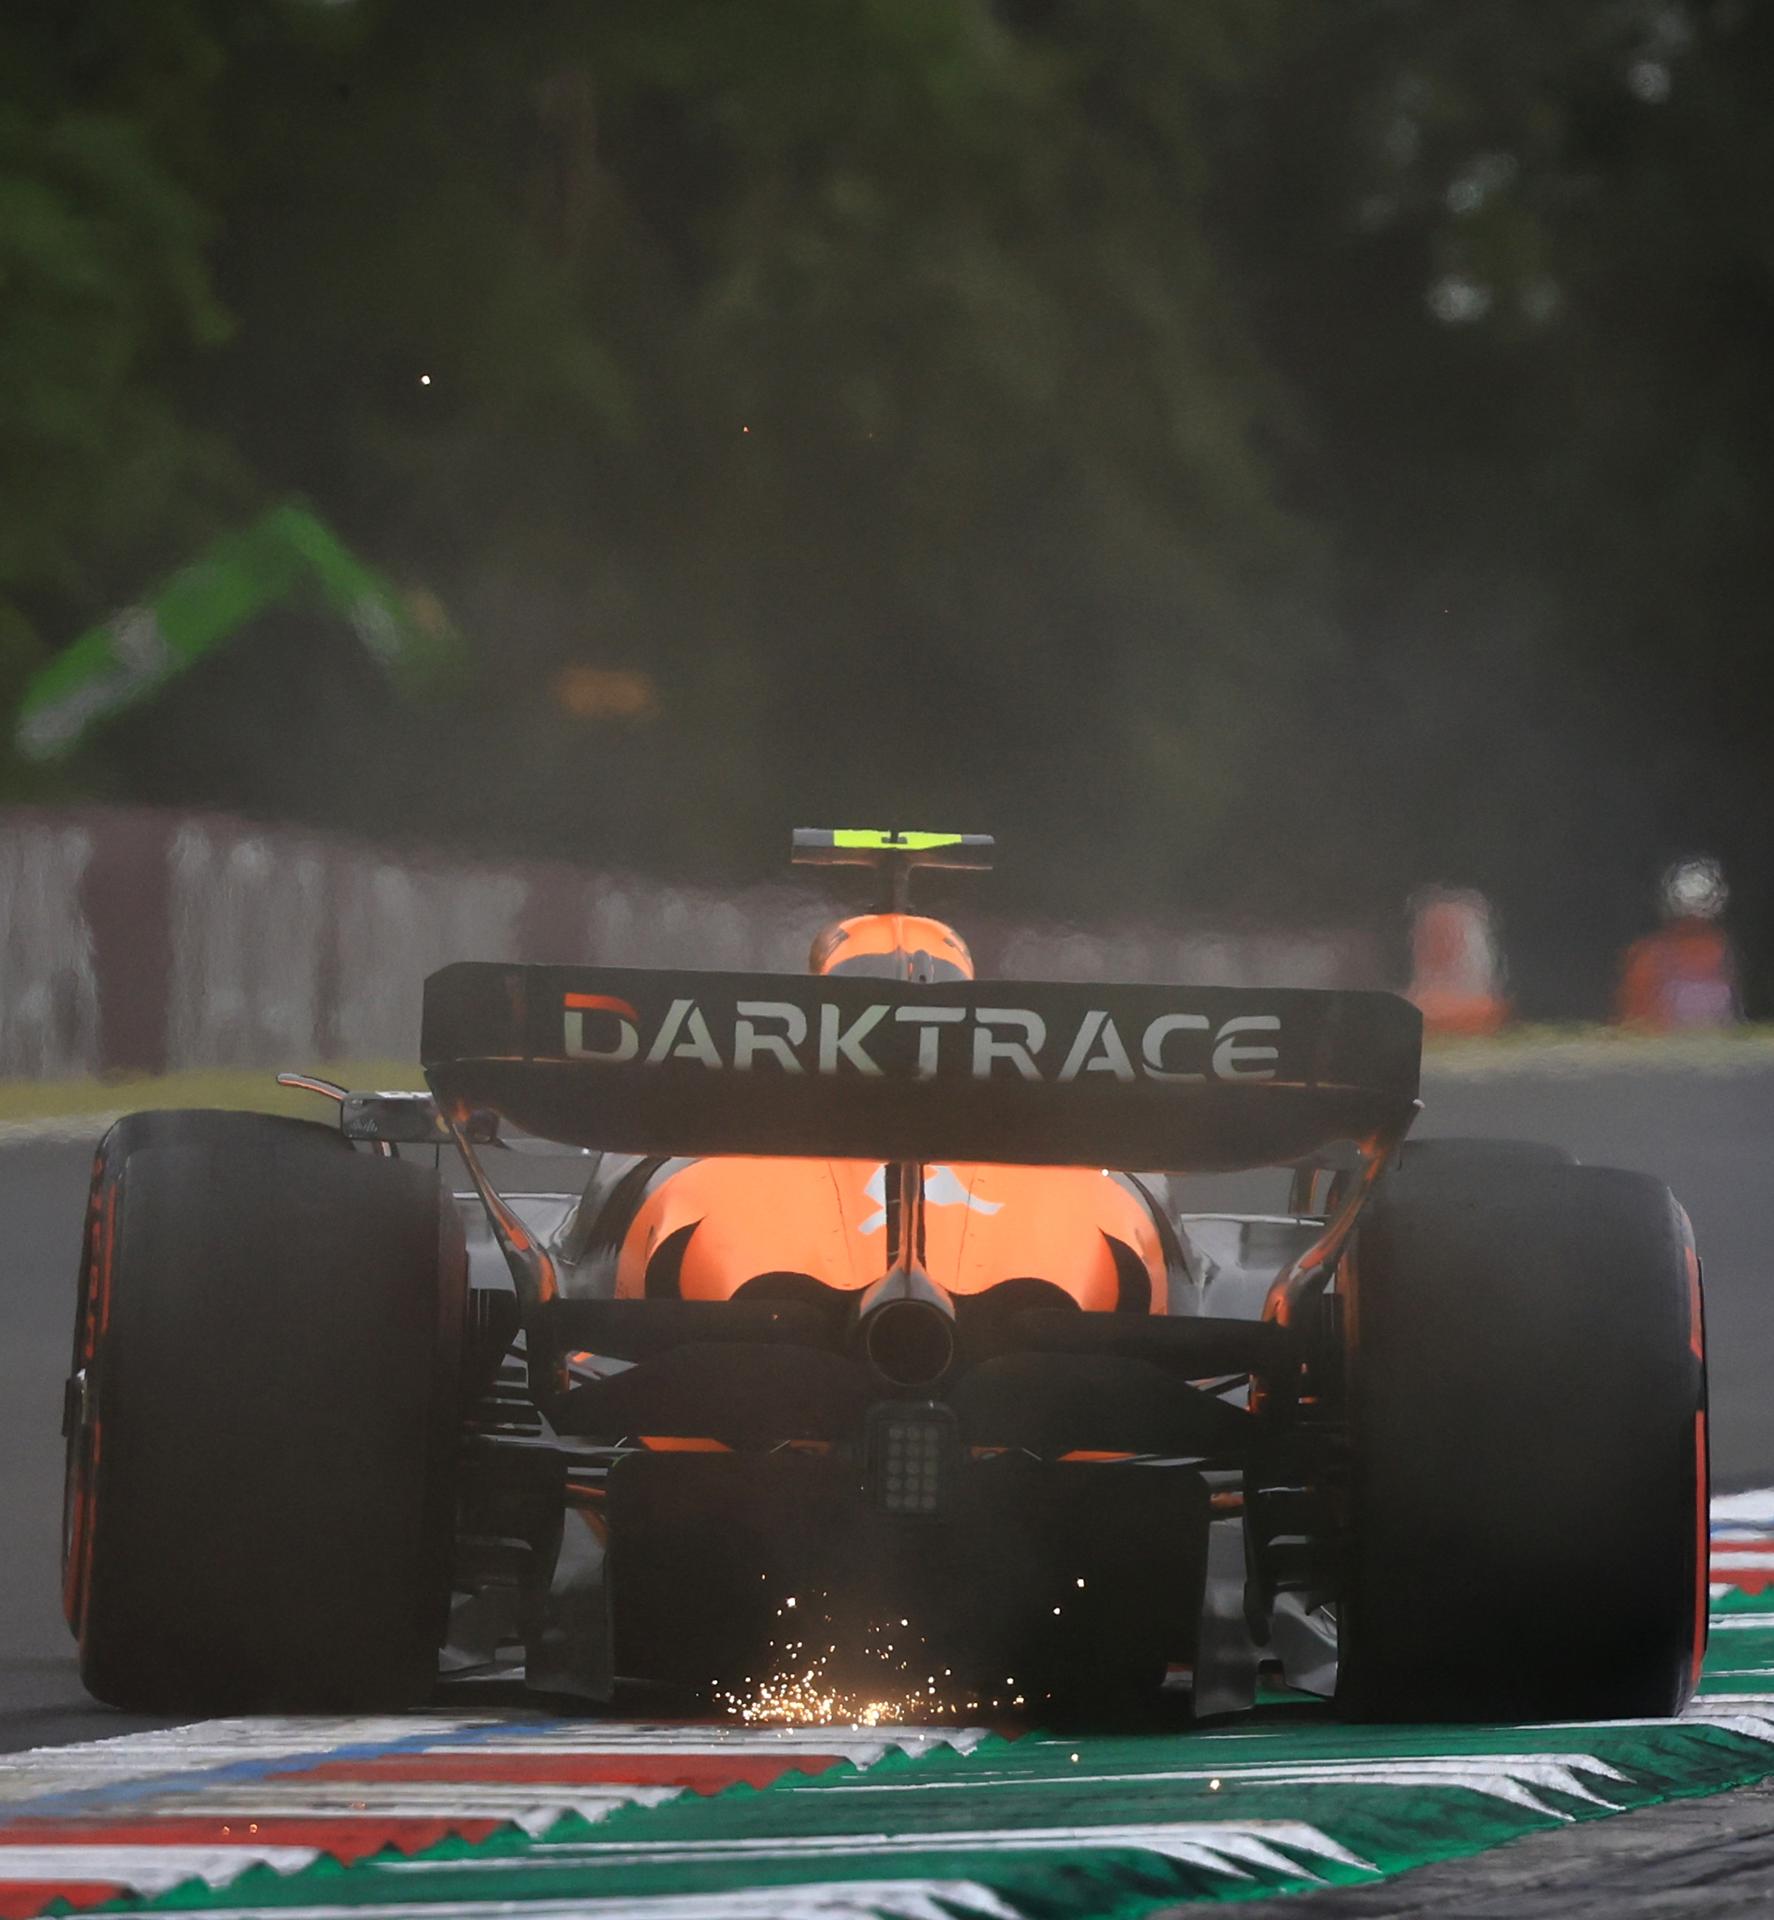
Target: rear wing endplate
(1207, 1078)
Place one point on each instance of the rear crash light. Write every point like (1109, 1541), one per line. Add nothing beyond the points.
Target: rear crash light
(912, 1451)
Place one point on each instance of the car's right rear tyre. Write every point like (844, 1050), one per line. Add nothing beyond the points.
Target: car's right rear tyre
(262, 1424)
(1526, 1503)
(1472, 1153)
(1477, 1156)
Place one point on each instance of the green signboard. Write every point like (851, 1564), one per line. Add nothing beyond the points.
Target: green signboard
(287, 559)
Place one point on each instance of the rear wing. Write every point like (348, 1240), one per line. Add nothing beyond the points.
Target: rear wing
(1203, 1078)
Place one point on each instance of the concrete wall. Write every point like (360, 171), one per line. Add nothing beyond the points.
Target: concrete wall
(134, 941)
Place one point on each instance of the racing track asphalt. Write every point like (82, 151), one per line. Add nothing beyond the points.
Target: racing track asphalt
(1710, 1136)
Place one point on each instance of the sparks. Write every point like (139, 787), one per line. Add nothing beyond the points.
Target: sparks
(803, 1690)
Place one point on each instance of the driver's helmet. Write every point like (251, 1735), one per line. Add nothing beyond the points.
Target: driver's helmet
(1695, 889)
(892, 946)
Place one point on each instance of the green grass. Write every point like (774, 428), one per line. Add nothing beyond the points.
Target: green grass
(1552, 1033)
(1579, 1049)
(252, 1089)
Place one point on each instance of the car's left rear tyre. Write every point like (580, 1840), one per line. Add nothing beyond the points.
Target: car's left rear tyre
(263, 1432)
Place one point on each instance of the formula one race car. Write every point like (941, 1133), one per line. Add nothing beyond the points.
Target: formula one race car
(872, 1359)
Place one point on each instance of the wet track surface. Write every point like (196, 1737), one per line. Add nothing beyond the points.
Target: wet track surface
(1700, 1859)
(1711, 1136)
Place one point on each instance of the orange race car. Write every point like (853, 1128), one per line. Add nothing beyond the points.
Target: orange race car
(871, 1363)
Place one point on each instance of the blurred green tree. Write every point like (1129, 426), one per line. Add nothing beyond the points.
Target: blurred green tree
(106, 285)
(865, 375)
(1262, 456)
(1517, 264)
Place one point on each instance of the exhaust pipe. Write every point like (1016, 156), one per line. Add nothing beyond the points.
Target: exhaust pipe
(909, 1343)
(905, 1329)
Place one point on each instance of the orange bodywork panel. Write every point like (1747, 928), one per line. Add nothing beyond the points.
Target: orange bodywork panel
(827, 1218)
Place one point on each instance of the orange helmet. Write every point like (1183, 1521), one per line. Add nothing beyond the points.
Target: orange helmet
(893, 946)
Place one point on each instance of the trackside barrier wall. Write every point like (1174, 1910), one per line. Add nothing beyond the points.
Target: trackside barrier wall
(138, 941)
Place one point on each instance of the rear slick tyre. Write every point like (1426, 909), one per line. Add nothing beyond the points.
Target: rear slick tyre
(261, 1449)
(1470, 1152)
(1526, 1505)
(1476, 1155)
